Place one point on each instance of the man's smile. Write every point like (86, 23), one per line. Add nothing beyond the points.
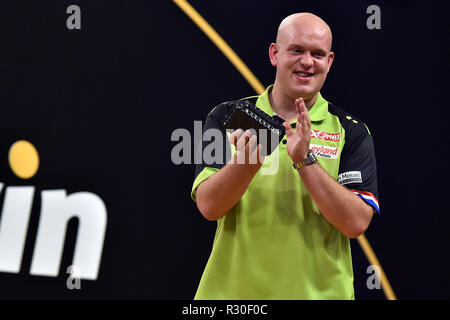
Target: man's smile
(303, 75)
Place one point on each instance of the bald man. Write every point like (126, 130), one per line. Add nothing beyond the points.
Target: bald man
(286, 235)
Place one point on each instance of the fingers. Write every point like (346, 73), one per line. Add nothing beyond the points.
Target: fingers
(252, 150)
(257, 154)
(300, 105)
(303, 114)
(235, 135)
(288, 128)
(243, 141)
(301, 109)
(249, 146)
(246, 146)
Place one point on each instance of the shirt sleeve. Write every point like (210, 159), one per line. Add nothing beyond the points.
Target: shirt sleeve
(213, 151)
(357, 169)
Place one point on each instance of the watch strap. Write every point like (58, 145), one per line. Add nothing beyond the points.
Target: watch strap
(310, 159)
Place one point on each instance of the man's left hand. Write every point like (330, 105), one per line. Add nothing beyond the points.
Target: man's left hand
(298, 140)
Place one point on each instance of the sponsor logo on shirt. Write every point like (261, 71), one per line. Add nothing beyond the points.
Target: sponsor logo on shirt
(320, 134)
(325, 151)
(350, 177)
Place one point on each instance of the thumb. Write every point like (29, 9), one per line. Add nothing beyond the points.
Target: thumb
(288, 128)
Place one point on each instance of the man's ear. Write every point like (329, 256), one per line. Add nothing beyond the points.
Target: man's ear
(330, 60)
(273, 54)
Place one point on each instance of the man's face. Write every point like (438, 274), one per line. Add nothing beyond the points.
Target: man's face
(303, 58)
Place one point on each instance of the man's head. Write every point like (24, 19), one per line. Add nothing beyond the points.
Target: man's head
(301, 55)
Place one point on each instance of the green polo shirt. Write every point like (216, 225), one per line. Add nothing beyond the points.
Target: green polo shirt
(275, 243)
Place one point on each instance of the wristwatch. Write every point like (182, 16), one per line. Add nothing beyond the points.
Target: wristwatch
(310, 159)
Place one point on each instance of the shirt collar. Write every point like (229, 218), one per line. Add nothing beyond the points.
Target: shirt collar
(318, 112)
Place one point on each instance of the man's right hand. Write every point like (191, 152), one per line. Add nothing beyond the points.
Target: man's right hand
(247, 152)
(220, 192)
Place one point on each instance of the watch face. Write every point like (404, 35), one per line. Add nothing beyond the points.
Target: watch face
(312, 156)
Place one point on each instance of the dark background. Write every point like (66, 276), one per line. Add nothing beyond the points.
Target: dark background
(100, 105)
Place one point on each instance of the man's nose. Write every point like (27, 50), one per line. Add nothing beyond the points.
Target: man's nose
(306, 60)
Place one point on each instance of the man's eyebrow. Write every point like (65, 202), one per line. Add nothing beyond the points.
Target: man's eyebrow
(316, 50)
(321, 51)
(293, 45)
